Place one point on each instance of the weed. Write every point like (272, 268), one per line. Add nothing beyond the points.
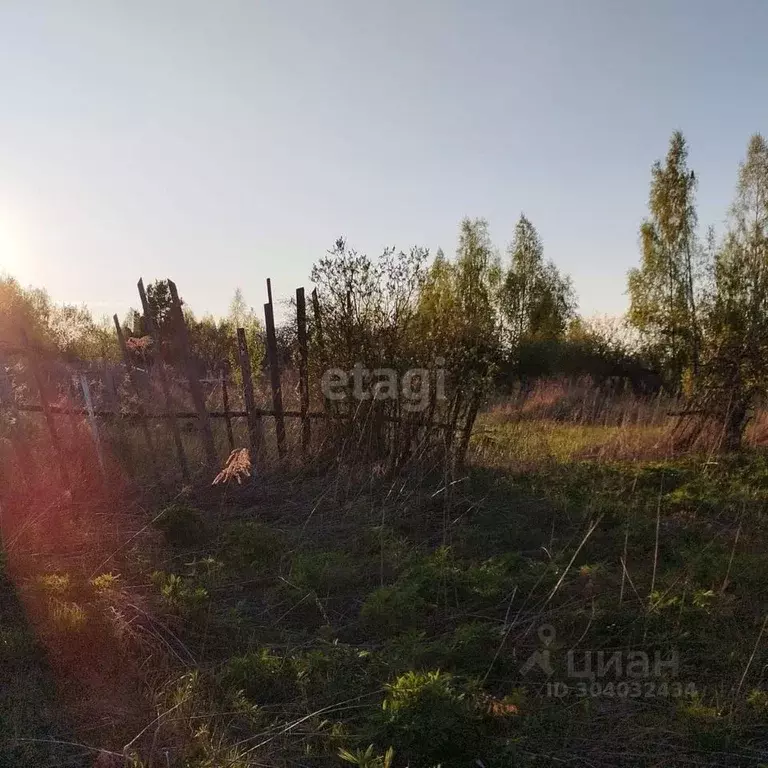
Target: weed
(184, 526)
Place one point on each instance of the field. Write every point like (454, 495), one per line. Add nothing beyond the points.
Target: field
(578, 594)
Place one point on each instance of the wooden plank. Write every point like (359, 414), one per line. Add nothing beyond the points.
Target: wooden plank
(71, 393)
(255, 429)
(320, 341)
(258, 412)
(92, 422)
(225, 399)
(466, 430)
(274, 378)
(111, 399)
(46, 408)
(206, 433)
(142, 414)
(150, 323)
(318, 319)
(301, 327)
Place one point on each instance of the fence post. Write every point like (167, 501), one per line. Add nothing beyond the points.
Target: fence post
(194, 383)
(274, 375)
(94, 426)
(225, 399)
(32, 359)
(110, 388)
(150, 323)
(466, 431)
(319, 333)
(139, 395)
(255, 431)
(301, 327)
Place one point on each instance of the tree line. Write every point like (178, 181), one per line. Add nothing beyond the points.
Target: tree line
(697, 322)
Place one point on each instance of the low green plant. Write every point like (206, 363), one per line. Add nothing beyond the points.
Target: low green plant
(263, 676)
(105, 583)
(367, 758)
(184, 526)
(178, 593)
(251, 545)
(325, 573)
(431, 719)
(388, 611)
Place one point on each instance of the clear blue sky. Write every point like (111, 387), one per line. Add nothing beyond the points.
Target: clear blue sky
(222, 142)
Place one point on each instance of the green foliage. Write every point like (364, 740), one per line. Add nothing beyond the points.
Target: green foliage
(431, 719)
(65, 328)
(736, 369)
(663, 290)
(326, 572)
(251, 545)
(55, 583)
(263, 676)
(536, 301)
(184, 526)
(179, 593)
(390, 610)
(368, 759)
(105, 582)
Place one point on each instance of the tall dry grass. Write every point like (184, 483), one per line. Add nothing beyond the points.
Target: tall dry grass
(562, 420)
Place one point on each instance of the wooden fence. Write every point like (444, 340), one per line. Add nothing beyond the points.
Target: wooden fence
(201, 414)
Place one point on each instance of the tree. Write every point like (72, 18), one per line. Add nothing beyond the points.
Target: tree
(737, 321)
(663, 290)
(242, 316)
(161, 309)
(24, 308)
(536, 301)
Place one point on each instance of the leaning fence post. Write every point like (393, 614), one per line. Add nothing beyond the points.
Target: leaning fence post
(139, 396)
(301, 327)
(32, 359)
(274, 375)
(194, 383)
(92, 421)
(225, 399)
(150, 323)
(255, 431)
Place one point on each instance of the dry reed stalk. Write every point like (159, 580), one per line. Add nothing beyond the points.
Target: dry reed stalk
(237, 467)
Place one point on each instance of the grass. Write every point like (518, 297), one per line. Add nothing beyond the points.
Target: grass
(347, 616)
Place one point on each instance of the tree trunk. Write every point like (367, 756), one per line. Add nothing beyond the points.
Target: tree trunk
(735, 425)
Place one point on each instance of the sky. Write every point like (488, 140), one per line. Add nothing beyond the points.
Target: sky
(221, 143)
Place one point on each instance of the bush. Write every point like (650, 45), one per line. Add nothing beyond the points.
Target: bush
(390, 610)
(182, 525)
(431, 720)
(252, 545)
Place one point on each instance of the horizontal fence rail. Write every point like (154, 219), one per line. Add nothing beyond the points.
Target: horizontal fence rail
(181, 380)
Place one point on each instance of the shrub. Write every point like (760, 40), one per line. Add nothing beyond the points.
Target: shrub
(251, 545)
(182, 525)
(390, 610)
(431, 720)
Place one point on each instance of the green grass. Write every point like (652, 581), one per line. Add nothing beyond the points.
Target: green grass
(321, 617)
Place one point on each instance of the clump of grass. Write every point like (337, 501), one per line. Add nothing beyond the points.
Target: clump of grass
(183, 525)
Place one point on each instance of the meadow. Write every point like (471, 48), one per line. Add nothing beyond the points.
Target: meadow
(580, 592)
